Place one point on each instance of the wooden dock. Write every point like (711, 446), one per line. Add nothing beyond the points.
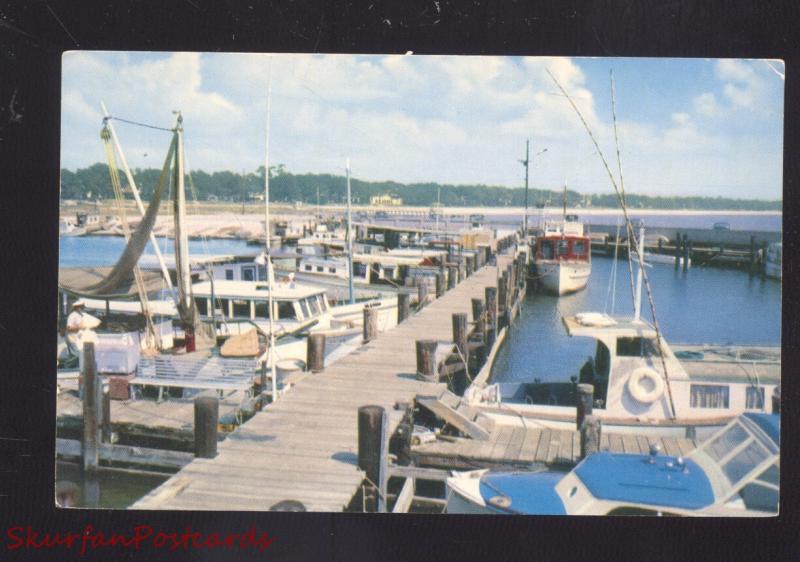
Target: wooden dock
(304, 447)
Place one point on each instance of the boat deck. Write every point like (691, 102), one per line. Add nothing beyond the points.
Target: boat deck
(726, 362)
(305, 446)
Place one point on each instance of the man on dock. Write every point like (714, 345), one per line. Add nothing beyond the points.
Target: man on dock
(79, 326)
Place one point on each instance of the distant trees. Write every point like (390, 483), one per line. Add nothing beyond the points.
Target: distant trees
(94, 182)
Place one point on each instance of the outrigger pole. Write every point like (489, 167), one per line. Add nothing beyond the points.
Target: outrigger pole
(268, 247)
(349, 239)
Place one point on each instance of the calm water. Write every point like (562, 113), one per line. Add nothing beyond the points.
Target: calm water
(703, 305)
(114, 489)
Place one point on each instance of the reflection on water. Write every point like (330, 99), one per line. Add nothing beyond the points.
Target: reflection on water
(702, 305)
(109, 489)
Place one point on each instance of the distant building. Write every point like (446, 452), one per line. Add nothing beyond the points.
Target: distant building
(386, 200)
(258, 196)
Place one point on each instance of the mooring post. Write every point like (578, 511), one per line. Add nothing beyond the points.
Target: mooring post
(315, 353)
(584, 403)
(752, 255)
(590, 436)
(372, 455)
(422, 292)
(687, 252)
(776, 400)
(206, 418)
(439, 284)
(677, 249)
(502, 300)
(490, 333)
(452, 277)
(89, 451)
(477, 315)
(763, 264)
(403, 307)
(106, 418)
(426, 359)
(370, 323)
(460, 334)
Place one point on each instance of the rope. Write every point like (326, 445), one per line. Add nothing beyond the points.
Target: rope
(138, 124)
(621, 197)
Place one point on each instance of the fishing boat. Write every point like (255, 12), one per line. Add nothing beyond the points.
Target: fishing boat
(735, 473)
(562, 259)
(773, 263)
(68, 228)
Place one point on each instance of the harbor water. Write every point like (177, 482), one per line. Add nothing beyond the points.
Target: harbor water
(701, 306)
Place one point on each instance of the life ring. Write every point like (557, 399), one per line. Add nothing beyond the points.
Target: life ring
(642, 390)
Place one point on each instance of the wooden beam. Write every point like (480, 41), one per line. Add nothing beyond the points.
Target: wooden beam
(404, 498)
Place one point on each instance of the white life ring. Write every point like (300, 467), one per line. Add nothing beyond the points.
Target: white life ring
(645, 385)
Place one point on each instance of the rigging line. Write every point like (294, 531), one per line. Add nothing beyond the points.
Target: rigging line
(616, 262)
(629, 226)
(138, 124)
(621, 179)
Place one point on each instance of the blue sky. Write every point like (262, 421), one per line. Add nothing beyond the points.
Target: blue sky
(686, 126)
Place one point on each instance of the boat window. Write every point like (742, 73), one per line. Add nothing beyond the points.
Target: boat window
(262, 309)
(304, 308)
(546, 249)
(324, 301)
(388, 272)
(725, 443)
(286, 310)
(320, 269)
(202, 306)
(249, 273)
(313, 305)
(754, 398)
(222, 307)
(709, 396)
(241, 308)
(359, 269)
(309, 268)
(229, 275)
(772, 475)
(331, 270)
(636, 347)
(579, 247)
(563, 247)
(745, 461)
(262, 273)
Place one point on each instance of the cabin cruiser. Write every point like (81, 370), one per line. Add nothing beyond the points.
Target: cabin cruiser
(735, 473)
(68, 228)
(703, 386)
(562, 259)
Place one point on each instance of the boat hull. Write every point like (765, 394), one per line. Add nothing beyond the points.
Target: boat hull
(562, 278)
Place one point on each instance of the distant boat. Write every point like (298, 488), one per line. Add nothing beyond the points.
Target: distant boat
(735, 473)
(562, 258)
(651, 257)
(773, 264)
(67, 228)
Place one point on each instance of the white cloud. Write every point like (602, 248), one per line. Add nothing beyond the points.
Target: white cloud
(706, 105)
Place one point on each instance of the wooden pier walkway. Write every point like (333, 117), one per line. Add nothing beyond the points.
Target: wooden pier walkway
(304, 447)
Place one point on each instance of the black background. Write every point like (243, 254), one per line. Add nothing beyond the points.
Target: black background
(33, 36)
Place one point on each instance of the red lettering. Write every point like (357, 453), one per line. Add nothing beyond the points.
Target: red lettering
(30, 538)
(86, 531)
(141, 532)
(264, 541)
(248, 538)
(216, 542)
(18, 540)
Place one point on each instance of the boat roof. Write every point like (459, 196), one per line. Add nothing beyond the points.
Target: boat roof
(256, 289)
(528, 492)
(594, 324)
(634, 478)
(769, 423)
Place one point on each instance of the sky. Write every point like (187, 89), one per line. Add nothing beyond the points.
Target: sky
(709, 127)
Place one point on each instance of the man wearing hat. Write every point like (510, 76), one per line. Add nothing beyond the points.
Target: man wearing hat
(79, 323)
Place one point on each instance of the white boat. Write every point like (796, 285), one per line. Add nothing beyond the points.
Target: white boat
(703, 386)
(68, 228)
(562, 258)
(735, 473)
(773, 264)
(666, 259)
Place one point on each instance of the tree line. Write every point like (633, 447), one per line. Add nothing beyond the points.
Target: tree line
(94, 183)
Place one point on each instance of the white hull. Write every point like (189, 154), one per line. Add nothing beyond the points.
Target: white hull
(561, 278)
(665, 259)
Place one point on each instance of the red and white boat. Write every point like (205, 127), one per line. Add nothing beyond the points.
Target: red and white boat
(563, 259)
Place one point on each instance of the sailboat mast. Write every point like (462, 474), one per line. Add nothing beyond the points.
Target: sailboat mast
(349, 239)
(181, 235)
(637, 304)
(525, 163)
(268, 247)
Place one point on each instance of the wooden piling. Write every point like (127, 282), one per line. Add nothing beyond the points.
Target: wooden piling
(677, 249)
(89, 449)
(776, 400)
(752, 263)
(502, 300)
(403, 307)
(452, 277)
(426, 359)
(439, 284)
(584, 403)
(315, 353)
(372, 454)
(422, 291)
(687, 251)
(105, 426)
(591, 431)
(206, 418)
(370, 323)
(490, 333)
(477, 315)
(460, 333)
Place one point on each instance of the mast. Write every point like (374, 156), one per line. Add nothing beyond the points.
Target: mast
(565, 200)
(135, 191)
(438, 206)
(525, 163)
(268, 247)
(349, 239)
(637, 304)
(185, 305)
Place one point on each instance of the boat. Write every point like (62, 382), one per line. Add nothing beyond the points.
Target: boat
(735, 473)
(666, 259)
(562, 260)
(68, 228)
(773, 263)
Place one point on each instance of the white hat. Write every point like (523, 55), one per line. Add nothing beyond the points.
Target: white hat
(79, 302)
